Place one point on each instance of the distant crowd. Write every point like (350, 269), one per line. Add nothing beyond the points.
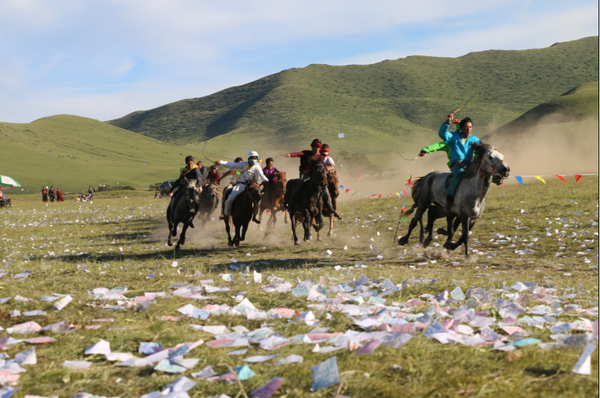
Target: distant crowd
(52, 195)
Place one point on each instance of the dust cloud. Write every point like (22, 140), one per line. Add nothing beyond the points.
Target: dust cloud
(551, 147)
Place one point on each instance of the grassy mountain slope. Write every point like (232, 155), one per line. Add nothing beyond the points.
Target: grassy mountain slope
(73, 153)
(576, 104)
(400, 101)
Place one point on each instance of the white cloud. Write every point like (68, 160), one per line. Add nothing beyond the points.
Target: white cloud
(104, 59)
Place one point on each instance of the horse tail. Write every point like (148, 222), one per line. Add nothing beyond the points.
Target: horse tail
(411, 210)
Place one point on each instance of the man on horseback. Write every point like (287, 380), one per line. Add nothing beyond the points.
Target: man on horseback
(305, 157)
(330, 166)
(270, 170)
(251, 169)
(461, 144)
(190, 171)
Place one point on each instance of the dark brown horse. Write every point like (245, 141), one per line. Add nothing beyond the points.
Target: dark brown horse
(274, 200)
(308, 206)
(333, 184)
(241, 212)
(209, 201)
(185, 211)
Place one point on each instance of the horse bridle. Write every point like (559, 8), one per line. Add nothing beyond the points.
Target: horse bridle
(492, 165)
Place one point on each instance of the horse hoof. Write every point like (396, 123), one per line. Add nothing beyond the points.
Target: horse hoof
(448, 246)
(169, 244)
(442, 231)
(402, 241)
(230, 243)
(319, 240)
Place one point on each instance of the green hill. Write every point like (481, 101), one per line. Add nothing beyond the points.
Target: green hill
(376, 106)
(73, 153)
(575, 105)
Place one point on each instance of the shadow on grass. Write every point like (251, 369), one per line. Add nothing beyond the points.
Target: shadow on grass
(543, 372)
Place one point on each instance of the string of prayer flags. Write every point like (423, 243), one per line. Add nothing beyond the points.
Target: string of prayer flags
(560, 177)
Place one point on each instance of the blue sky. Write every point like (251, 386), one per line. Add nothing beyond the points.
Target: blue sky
(104, 59)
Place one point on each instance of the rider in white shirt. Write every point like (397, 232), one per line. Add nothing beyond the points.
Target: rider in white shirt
(251, 169)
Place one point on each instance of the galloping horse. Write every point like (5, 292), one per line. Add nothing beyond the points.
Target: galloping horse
(308, 204)
(209, 201)
(241, 212)
(333, 184)
(185, 211)
(488, 166)
(274, 200)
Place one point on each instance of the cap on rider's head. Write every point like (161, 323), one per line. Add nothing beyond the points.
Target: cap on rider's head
(253, 154)
(325, 149)
(316, 143)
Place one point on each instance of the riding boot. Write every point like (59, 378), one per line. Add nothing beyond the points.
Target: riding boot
(449, 202)
(255, 219)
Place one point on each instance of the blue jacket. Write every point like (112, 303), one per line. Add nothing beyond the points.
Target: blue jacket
(462, 148)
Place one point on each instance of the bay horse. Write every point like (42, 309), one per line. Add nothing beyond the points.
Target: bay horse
(333, 185)
(241, 212)
(308, 206)
(185, 211)
(274, 200)
(209, 201)
(488, 166)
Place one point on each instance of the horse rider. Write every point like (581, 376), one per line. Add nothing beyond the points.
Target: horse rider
(251, 169)
(440, 146)
(203, 171)
(330, 166)
(213, 176)
(461, 144)
(190, 171)
(270, 169)
(235, 175)
(305, 157)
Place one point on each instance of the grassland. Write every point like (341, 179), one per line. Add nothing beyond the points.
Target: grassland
(546, 234)
(72, 153)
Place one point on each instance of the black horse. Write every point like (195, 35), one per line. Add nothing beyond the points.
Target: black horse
(241, 212)
(308, 204)
(209, 201)
(185, 210)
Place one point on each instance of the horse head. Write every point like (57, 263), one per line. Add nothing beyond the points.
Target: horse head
(318, 172)
(333, 183)
(252, 190)
(492, 162)
(281, 178)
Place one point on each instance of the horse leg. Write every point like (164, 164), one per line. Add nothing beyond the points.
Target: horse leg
(169, 241)
(182, 234)
(293, 222)
(330, 233)
(228, 229)
(413, 223)
(433, 213)
(244, 227)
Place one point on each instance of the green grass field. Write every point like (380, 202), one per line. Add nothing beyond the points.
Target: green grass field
(543, 234)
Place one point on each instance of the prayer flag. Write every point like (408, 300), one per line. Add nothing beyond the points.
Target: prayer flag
(561, 178)
(578, 177)
(540, 178)
(519, 180)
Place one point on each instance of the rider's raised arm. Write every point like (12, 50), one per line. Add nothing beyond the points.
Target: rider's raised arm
(444, 133)
(233, 165)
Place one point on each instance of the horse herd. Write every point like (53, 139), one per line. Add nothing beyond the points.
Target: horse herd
(307, 208)
(428, 192)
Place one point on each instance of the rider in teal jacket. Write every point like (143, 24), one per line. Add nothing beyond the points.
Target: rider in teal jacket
(461, 144)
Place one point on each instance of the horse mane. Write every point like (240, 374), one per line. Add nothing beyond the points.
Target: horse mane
(479, 150)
